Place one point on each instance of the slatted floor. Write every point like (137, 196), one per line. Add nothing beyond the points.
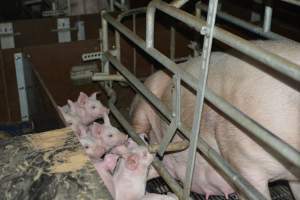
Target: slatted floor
(279, 191)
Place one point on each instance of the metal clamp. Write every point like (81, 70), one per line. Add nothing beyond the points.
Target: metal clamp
(92, 56)
(7, 35)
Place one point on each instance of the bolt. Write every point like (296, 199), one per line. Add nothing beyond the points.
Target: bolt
(204, 30)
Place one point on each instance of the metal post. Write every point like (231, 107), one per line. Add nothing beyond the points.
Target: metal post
(112, 5)
(172, 43)
(267, 19)
(134, 48)
(207, 31)
(150, 18)
(105, 64)
(7, 39)
(80, 30)
(22, 87)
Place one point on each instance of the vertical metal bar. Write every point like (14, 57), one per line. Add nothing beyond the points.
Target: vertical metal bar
(267, 19)
(150, 18)
(7, 39)
(134, 48)
(22, 89)
(112, 5)
(208, 32)
(176, 98)
(105, 64)
(172, 43)
(81, 30)
(198, 9)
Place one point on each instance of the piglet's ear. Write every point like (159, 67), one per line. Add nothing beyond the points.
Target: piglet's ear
(72, 106)
(82, 99)
(106, 119)
(94, 96)
(132, 162)
(82, 131)
(111, 161)
(97, 129)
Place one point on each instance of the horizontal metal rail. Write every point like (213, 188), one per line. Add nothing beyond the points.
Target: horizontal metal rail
(209, 153)
(295, 2)
(246, 25)
(268, 138)
(275, 62)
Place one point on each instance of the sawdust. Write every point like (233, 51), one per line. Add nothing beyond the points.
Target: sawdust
(68, 161)
(49, 140)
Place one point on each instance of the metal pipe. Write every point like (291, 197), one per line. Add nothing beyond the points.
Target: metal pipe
(245, 25)
(134, 48)
(150, 18)
(275, 62)
(295, 2)
(267, 19)
(279, 146)
(178, 3)
(107, 77)
(172, 147)
(203, 73)
(112, 5)
(210, 153)
(172, 43)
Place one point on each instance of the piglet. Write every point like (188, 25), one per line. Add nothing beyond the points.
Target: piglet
(106, 134)
(98, 139)
(131, 172)
(93, 148)
(85, 110)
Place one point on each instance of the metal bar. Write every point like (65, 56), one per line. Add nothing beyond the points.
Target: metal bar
(105, 64)
(210, 153)
(172, 147)
(267, 19)
(206, 51)
(111, 5)
(259, 132)
(176, 98)
(275, 62)
(167, 137)
(22, 86)
(107, 77)
(150, 18)
(178, 3)
(175, 187)
(295, 2)
(134, 48)
(245, 25)
(172, 43)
